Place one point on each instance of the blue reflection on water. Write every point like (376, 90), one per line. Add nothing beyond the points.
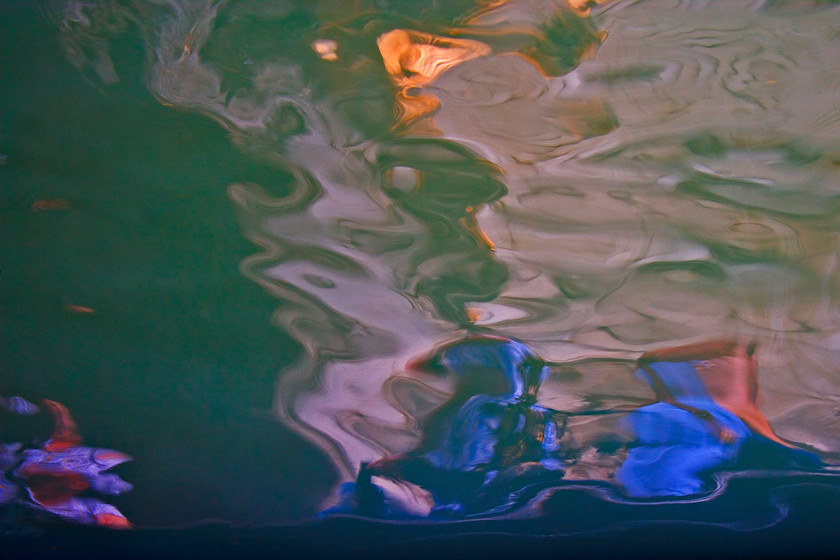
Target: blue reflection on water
(687, 436)
(491, 439)
(477, 447)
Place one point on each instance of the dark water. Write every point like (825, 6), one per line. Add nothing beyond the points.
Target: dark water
(231, 226)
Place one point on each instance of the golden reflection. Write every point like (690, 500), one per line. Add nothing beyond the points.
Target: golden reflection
(473, 313)
(413, 104)
(414, 59)
(470, 223)
(189, 43)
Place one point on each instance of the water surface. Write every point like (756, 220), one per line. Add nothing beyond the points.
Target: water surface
(235, 223)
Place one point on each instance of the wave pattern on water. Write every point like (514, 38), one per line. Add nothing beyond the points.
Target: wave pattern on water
(595, 181)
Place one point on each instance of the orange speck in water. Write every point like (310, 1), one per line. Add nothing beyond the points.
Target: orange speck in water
(112, 521)
(471, 224)
(47, 204)
(79, 309)
(474, 313)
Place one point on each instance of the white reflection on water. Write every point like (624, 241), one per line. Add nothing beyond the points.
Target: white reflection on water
(675, 182)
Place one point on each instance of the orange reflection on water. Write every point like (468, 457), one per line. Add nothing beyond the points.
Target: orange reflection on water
(732, 381)
(729, 371)
(470, 223)
(73, 308)
(46, 204)
(413, 104)
(473, 313)
(414, 59)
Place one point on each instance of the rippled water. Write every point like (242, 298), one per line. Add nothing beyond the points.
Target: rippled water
(595, 182)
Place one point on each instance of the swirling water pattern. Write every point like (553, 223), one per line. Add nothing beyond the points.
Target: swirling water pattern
(594, 182)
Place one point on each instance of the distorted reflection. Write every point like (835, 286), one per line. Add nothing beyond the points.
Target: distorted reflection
(59, 476)
(706, 420)
(378, 249)
(483, 444)
(590, 196)
(490, 440)
(554, 36)
(415, 59)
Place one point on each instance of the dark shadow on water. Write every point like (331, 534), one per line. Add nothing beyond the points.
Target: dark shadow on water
(626, 531)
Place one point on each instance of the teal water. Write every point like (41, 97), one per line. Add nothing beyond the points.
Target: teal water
(230, 225)
(179, 349)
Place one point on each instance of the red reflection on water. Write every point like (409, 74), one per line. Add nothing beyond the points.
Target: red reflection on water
(65, 434)
(58, 474)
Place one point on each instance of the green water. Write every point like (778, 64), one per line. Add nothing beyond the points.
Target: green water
(179, 348)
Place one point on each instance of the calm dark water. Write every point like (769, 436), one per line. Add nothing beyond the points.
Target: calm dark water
(232, 227)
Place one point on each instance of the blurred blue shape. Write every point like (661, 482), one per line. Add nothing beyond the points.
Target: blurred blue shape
(692, 432)
(18, 405)
(478, 449)
(55, 474)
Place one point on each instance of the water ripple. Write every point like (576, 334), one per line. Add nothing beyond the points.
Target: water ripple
(596, 182)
